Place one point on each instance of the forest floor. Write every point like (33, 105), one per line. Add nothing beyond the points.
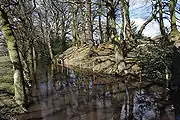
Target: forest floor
(8, 107)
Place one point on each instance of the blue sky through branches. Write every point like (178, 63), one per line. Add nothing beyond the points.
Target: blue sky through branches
(140, 11)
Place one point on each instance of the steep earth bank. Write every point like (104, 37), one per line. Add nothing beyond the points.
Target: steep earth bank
(100, 60)
(144, 55)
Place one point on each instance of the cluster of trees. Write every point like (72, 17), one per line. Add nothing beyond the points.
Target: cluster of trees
(37, 28)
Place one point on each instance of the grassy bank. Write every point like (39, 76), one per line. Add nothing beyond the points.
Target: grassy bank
(8, 107)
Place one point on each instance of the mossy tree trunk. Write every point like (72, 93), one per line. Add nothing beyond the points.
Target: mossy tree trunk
(42, 30)
(124, 47)
(161, 22)
(100, 26)
(20, 94)
(128, 29)
(89, 23)
(83, 41)
(48, 40)
(122, 20)
(112, 22)
(73, 24)
(107, 23)
(172, 9)
(31, 60)
(32, 63)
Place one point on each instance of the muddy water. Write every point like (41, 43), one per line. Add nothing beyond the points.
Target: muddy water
(64, 94)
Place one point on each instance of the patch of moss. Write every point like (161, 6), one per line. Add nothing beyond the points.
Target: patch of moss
(6, 79)
(7, 87)
(7, 103)
(4, 59)
(175, 33)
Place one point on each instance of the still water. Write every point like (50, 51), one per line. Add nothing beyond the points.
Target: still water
(66, 94)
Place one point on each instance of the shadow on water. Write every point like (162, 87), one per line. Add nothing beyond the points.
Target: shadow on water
(64, 94)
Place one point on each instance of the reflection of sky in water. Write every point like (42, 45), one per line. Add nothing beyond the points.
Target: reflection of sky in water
(145, 106)
(71, 75)
(90, 84)
(44, 85)
(108, 93)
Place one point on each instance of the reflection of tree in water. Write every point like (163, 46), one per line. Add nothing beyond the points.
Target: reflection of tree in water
(176, 102)
(145, 107)
(84, 97)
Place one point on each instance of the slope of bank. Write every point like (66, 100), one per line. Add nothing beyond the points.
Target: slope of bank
(101, 59)
(149, 57)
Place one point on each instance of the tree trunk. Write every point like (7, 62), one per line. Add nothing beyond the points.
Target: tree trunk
(42, 30)
(100, 26)
(112, 22)
(107, 23)
(89, 22)
(161, 22)
(48, 40)
(74, 38)
(123, 42)
(172, 9)
(32, 63)
(128, 30)
(119, 66)
(49, 46)
(83, 41)
(122, 20)
(73, 25)
(19, 83)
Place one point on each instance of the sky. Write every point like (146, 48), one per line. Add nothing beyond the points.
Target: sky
(140, 11)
